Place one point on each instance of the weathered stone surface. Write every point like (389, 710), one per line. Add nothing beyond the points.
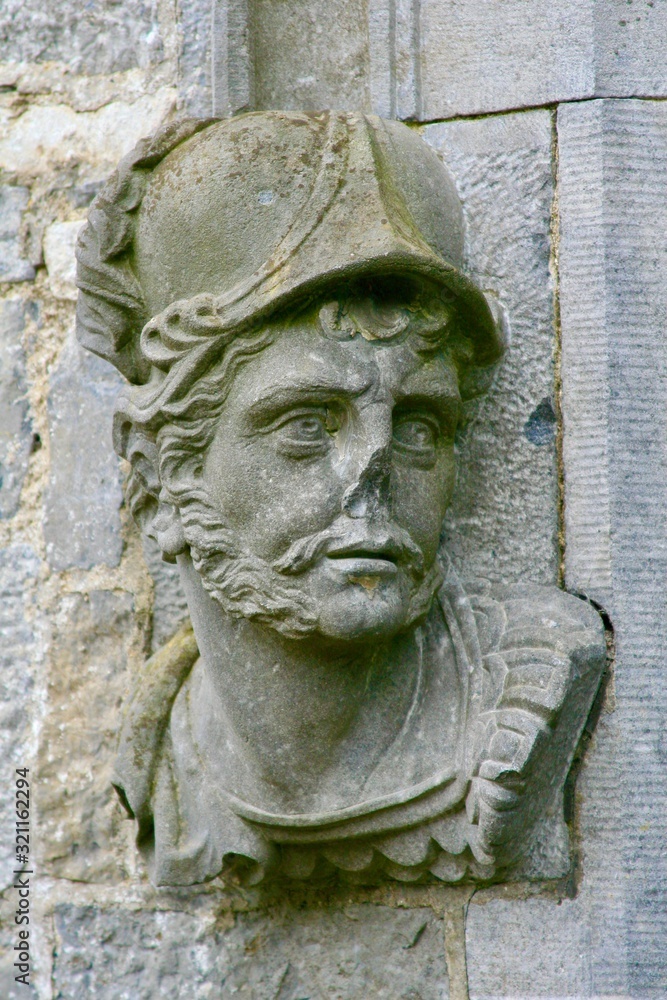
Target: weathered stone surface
(77, 815)
(360, 951)
(194, 64)
(280, 557)
(170, 608)
(15, 427)
(613, 254)
(630, 48)
(502, 524)
(528, 948)
(101, 38)
(613, 177)
(394, 50)
(83, 498)
(310, 55)
(489, 57)
(48, 136)
(428, 60)
(10, 989)
(19, 567)
(13, 267)
(232, 69)
(59, 244)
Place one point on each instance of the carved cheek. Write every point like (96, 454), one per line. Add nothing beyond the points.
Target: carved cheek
(420, 498)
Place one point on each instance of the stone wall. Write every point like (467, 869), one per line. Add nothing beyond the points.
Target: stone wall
(548, 116)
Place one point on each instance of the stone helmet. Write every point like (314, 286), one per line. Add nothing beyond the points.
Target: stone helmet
(264, 210)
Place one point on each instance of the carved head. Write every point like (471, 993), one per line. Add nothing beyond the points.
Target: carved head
(285, 294)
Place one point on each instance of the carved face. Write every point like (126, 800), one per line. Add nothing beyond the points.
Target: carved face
(333, 461)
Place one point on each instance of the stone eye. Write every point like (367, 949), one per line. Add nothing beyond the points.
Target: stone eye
(305, 435)
(306, 428)
(415, 433)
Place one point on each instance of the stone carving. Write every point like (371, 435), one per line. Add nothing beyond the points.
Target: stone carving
(285, 295)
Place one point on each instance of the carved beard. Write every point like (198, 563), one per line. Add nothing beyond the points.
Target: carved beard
(249, 587)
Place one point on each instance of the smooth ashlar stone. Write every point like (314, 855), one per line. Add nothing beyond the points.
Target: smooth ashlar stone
(490, 57)
(613, 254)
(423, 61)
(359, 951)
(13, 266)
(15, 426)
(83, 497)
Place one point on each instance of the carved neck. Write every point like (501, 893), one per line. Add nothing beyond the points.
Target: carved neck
(290, 723)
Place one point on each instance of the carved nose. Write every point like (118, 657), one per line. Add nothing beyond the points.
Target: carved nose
(370, 494)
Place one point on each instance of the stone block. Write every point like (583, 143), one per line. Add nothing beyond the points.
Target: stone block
(170, 608)
(15, 426)
(13, 266)
(59, 246)
(430, 60)
(613, 254)
(51, 136)
(478, 58)
(12, 990)
(309, 55)
(360, 951)
(232, 66)
(630, 48)
(503, 521)
(99, 38)
(194, 64)
(528, 948)
(19, 567)
(78, 816)
(83, 497)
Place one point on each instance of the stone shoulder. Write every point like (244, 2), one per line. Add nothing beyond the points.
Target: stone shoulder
(530, 615)
(542, 654)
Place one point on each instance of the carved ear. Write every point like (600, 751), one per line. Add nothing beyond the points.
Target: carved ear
(163, 523)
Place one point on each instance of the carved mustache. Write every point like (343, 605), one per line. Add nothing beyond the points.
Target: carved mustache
(389, 541)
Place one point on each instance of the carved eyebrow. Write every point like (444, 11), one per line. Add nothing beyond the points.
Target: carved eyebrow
(431, 391)
(276, 398)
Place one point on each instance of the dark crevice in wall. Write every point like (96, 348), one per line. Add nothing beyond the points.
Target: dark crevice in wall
(603, 701)
(554, 237)
(526, 108)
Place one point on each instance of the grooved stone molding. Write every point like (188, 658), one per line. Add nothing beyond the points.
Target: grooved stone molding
(433, 59)
(610, 940)
(395, 65)
(231, 67)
